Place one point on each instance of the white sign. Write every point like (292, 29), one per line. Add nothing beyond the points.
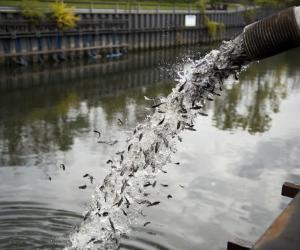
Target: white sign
(190, 20)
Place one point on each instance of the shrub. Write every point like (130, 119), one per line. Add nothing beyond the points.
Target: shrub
(64, 16)
(32, 9)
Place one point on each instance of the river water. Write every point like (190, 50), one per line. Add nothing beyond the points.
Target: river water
(231, 169)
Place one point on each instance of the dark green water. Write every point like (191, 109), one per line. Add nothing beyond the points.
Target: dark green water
(232, 168)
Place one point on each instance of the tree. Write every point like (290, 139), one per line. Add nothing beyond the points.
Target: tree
(64, 16)
(32, 9)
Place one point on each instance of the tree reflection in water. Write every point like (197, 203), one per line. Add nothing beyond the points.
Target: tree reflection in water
(250, 103)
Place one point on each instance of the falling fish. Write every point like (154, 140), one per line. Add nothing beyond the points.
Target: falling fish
(156, 147)
(112, 224)
(82, 187)
(124, 212)
(98, 242)
(86, 216)
(182, 86)
(203, 114)
(162, 121)
(63, 166)
(157, 105)
(140, 136)
(147, 184)
(121, 122)
(91, 240)
(98, 133)
(104, 214)
(154, 184)
(146, 223)
(153, 203)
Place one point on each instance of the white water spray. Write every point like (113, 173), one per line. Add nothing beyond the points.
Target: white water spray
(118, 203)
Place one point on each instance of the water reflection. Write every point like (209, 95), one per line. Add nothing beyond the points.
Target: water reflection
(47, 116)
(250, 103)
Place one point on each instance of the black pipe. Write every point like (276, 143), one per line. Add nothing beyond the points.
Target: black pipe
(272, 35)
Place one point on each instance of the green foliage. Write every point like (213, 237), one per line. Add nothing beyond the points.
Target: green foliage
(201, 5)
(32, 9)
(64, 16)
(214, 28)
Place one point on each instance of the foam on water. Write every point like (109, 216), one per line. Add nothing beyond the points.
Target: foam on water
(118, 203)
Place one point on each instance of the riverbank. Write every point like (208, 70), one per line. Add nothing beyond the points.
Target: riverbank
(112, 33)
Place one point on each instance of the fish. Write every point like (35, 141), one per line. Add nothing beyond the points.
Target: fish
(164, 185)
(91, 179)
(153, 203)
(49, 178)
(181, 186)
(182, 86)
(104, 214)
(209, 99)
(157, 105)
(109, 161)
(121, 122)
(124, 212)
(162, 121)
(156, 147)
(63, 166)
(98, 241)
(112, 224)
(146, 223)
(110, 143)
(196, 107)
(154, 184)
(86, 216)
(176, 163)
(140, 136)
(147, 184)
(203, 114)
(91, 240)
(98, 133)
(127, 201)
(236, 76)
(98, 205)
(129, 147)
(122, 158)
(144, 202)
(86, 175)
(169, 196)
(120, 202)
(123, 186)
(178, 124)
(82, 187)
(164, 171)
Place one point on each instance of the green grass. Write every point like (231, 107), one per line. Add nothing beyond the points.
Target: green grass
(110, 4)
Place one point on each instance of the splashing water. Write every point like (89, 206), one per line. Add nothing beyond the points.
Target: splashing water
(118, 203)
